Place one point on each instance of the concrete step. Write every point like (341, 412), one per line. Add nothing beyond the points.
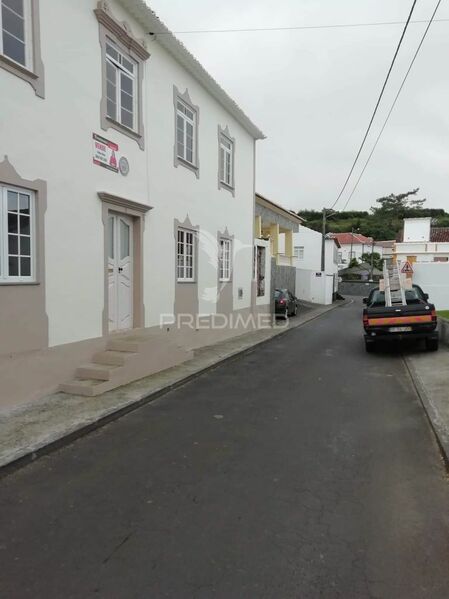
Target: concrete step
(100, 372)
(87, 387)
(113, 358)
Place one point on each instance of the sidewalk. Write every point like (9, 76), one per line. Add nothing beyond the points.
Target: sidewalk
(59, 418)
(430, 374)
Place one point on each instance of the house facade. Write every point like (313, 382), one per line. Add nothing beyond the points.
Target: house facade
(127, 197)
(312, 284)
(353, 246)
(421, 242)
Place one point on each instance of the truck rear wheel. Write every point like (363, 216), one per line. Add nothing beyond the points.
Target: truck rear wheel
(432, 344)
(370, 346)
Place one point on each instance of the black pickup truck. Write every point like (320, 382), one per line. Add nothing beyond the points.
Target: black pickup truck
(416, 320)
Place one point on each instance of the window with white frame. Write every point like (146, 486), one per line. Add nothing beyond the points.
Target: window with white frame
(226, 161)
(121, 83)
(225, 259)
(299, 252)
(15, 31)
(185, 255)
(185, 132)
(16, 235)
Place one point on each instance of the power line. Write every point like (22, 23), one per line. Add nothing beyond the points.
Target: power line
(377, 105)
(295, 28)
(394, 104)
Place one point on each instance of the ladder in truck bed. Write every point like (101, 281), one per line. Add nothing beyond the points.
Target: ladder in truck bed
(394, 290)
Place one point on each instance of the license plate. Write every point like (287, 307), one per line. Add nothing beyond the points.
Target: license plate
(400, 329)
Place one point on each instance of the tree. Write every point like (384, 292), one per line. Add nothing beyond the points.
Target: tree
(398, 206)
(377, 260)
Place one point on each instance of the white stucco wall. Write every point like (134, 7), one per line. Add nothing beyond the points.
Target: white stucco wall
(434, 280)
(417, 229)
(51, 139)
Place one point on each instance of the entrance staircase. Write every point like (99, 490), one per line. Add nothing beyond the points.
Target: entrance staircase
(126, 358)
(394, 289)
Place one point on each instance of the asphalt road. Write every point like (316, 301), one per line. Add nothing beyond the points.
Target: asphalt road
(305, 469)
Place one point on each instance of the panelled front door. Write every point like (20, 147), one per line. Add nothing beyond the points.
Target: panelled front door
(120, 272)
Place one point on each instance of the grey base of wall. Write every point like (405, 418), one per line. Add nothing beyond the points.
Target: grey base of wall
(360, 288)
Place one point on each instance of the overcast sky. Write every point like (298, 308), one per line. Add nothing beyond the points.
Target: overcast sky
(312, 93)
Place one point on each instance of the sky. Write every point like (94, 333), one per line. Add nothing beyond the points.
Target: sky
(313, 92)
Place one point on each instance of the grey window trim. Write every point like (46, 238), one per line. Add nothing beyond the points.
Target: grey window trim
(221, 184)
(121, 35)
(187, 225)
(225, 236)
(34, 77)
(177, 160)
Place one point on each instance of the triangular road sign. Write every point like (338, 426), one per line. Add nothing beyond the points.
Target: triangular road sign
(407, 268)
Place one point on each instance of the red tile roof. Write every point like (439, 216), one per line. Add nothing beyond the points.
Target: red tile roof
(345, 238)
(439, 234)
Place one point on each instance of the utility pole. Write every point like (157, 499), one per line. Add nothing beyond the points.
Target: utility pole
(352, 244)
(323, 242)
(372, 260)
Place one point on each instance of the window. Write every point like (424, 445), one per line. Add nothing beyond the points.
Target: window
(185, 255)
(121, 81)
(226, 161)
(225, 259)
(299, 252)
(185, 132)
(16, 235)
(15, 34)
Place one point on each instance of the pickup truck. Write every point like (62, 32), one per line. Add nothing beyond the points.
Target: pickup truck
(416, 320)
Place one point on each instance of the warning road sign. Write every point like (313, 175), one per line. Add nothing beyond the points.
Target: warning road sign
(407, 268)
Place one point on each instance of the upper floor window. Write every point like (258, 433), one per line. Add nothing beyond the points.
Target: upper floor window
(225, 259)
(226, 161)
(185, 132)
(16, 235)
(15, 31)
(186, 255)
(226, 152)
(121, 82)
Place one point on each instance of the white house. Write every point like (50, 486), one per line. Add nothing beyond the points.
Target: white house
(127, 199)
(312, 284)
(354, 245)
(420, 242)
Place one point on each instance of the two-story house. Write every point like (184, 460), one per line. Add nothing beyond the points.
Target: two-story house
(126, 199)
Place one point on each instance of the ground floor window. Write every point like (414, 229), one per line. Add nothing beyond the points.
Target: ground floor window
(17, 242)
(186, 255)
(225, 259)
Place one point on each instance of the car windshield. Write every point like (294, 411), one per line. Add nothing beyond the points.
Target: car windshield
(378, 297)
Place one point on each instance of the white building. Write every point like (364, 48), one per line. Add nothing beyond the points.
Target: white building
(127, 193)
(420, 242)
(312, 284)
(354, 245)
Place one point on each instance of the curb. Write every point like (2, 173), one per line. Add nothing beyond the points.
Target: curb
(51, 446)
(436, 424)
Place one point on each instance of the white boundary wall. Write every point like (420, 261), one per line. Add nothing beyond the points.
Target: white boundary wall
(314, 286)
(433, 277)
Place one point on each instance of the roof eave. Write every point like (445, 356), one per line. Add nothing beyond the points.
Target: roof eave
(151, 22)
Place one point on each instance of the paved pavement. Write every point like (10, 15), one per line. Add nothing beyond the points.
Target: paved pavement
(305, 469)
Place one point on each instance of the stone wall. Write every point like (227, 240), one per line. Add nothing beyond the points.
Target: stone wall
(360, 288)
(443, 327)
(282, 277)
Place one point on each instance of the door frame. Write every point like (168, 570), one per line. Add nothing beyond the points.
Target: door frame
(117, 219)
(136, 212)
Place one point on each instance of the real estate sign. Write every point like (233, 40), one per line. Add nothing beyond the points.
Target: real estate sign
(105, 153)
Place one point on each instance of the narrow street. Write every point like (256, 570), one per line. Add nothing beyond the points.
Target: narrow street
(305, 469)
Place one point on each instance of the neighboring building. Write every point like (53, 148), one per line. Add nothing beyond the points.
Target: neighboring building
(127, 197)
(312, 284)
(354, 245)
(420, 242)
(278, 225)
(385, 248)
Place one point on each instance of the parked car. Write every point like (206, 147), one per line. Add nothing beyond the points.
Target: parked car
(416, 320)
(285, 303)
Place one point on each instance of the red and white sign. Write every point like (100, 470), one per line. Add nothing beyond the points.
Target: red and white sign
(105, 153)
(407, 268)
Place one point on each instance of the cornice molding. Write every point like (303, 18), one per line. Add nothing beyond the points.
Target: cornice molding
(110, 198)
(122, 31)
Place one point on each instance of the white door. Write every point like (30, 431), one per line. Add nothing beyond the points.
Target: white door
(120, 272)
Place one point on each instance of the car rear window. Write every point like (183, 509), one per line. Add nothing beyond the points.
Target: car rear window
(378, 297)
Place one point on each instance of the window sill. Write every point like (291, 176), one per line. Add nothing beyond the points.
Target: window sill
(35, 79)
(17, 66)
(15, 283)
(227, 186)
(183, 281)
(224, 280)
(192, 167)
(125, 130)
